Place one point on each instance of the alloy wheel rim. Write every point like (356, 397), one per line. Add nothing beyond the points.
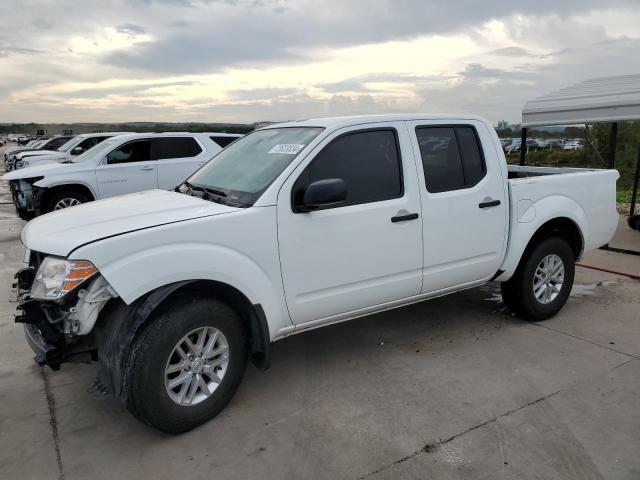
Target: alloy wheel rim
(548, 279)
(196, 366)
(66, 203)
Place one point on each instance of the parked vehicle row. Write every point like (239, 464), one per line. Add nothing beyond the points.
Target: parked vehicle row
(512, 145)
(17, 137)
(73, 147)
(95, 166)
(292, 227)
(33, 148)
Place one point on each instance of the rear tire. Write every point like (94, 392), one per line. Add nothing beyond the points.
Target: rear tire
(158, 350)
(542, 284)
(64, 199)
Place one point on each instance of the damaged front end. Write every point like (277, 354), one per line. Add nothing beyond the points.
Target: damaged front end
(59, 329)
(27, 198)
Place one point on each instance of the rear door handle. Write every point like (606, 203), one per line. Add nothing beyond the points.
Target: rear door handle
(146, 168)
(489, 203)
(404, 218)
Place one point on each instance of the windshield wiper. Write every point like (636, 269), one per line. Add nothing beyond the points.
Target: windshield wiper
(213, 191)
(210, 194)
(210, 191)
(193, 187)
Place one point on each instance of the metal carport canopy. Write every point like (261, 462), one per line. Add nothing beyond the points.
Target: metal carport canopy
(605, 99)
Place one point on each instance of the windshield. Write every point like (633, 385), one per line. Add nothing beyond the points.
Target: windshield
(96, 150)
(65, 147)
(243, 170)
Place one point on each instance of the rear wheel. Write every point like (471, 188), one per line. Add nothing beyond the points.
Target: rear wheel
(186, 365)
(65, 199)
(541, 285)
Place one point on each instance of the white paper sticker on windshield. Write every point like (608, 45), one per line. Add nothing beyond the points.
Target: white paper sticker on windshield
(287, 148)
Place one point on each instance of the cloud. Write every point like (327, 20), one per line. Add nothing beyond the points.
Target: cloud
(9, 49)
(476, 70)
(130, 29)
(259, 94)
(245, 60)
(512, 52)
(348, 85)
(223, 34)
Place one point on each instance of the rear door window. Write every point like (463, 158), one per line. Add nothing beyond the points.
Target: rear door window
(87, 143)
(452, 158)
(136, 151)
(174, 147)
(57, 142)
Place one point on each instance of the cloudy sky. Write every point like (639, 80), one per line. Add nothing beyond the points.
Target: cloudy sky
(253, 60)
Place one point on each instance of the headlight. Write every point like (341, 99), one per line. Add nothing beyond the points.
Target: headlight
(19, 164)
(57, 276)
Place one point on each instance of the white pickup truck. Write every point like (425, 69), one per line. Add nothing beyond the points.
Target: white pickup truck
(294, 227)
(121, 164)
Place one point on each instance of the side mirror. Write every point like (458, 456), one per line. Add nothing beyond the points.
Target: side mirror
(77, 151)
(323, 193)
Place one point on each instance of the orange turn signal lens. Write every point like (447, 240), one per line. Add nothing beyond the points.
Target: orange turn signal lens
(78, 272)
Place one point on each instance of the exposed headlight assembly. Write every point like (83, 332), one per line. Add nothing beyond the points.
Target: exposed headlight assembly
(57, 276)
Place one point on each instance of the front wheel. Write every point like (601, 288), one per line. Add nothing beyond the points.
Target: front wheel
(65, 199)
(186, 365)
(541, 285)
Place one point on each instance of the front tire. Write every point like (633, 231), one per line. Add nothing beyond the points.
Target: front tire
(186, 364)
(542, 284)
(65, 199)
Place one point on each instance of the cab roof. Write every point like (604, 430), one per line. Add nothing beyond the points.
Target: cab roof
(346, 121)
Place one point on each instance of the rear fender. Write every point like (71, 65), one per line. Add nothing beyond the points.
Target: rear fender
(524, 225)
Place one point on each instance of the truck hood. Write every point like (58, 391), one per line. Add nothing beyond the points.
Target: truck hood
(37, 153)
(34, 157)
(40, 170)
(60, 232)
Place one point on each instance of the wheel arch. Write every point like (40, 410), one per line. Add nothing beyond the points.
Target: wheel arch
(565, 227)
(119, 324)
(48, 192)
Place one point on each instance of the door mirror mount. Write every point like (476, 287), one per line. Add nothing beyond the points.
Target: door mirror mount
(330, 192)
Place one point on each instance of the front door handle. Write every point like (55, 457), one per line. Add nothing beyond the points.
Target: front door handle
(146, 168)
(404, 218)
(489, 203)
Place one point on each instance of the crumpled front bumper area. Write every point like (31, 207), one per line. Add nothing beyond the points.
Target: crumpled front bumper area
(43, 322)
(26, 199)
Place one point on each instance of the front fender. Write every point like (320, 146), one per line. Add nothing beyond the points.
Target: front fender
(143, 271)
(524, 225)
(46, 183)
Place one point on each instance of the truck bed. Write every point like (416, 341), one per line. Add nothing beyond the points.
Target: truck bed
(585, 196)
(517, 171)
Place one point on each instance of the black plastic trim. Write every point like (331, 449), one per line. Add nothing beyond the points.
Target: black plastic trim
(492, 203)
(260, 338)
(497, 274)
(404, 218)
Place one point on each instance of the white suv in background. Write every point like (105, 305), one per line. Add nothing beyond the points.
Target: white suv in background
(123, 164)
(74, 147)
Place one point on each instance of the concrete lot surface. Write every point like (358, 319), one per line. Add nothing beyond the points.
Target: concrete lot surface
(455, 388)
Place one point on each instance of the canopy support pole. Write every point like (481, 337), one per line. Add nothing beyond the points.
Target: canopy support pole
(523, 145)
(613, 136)
(636, 179)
